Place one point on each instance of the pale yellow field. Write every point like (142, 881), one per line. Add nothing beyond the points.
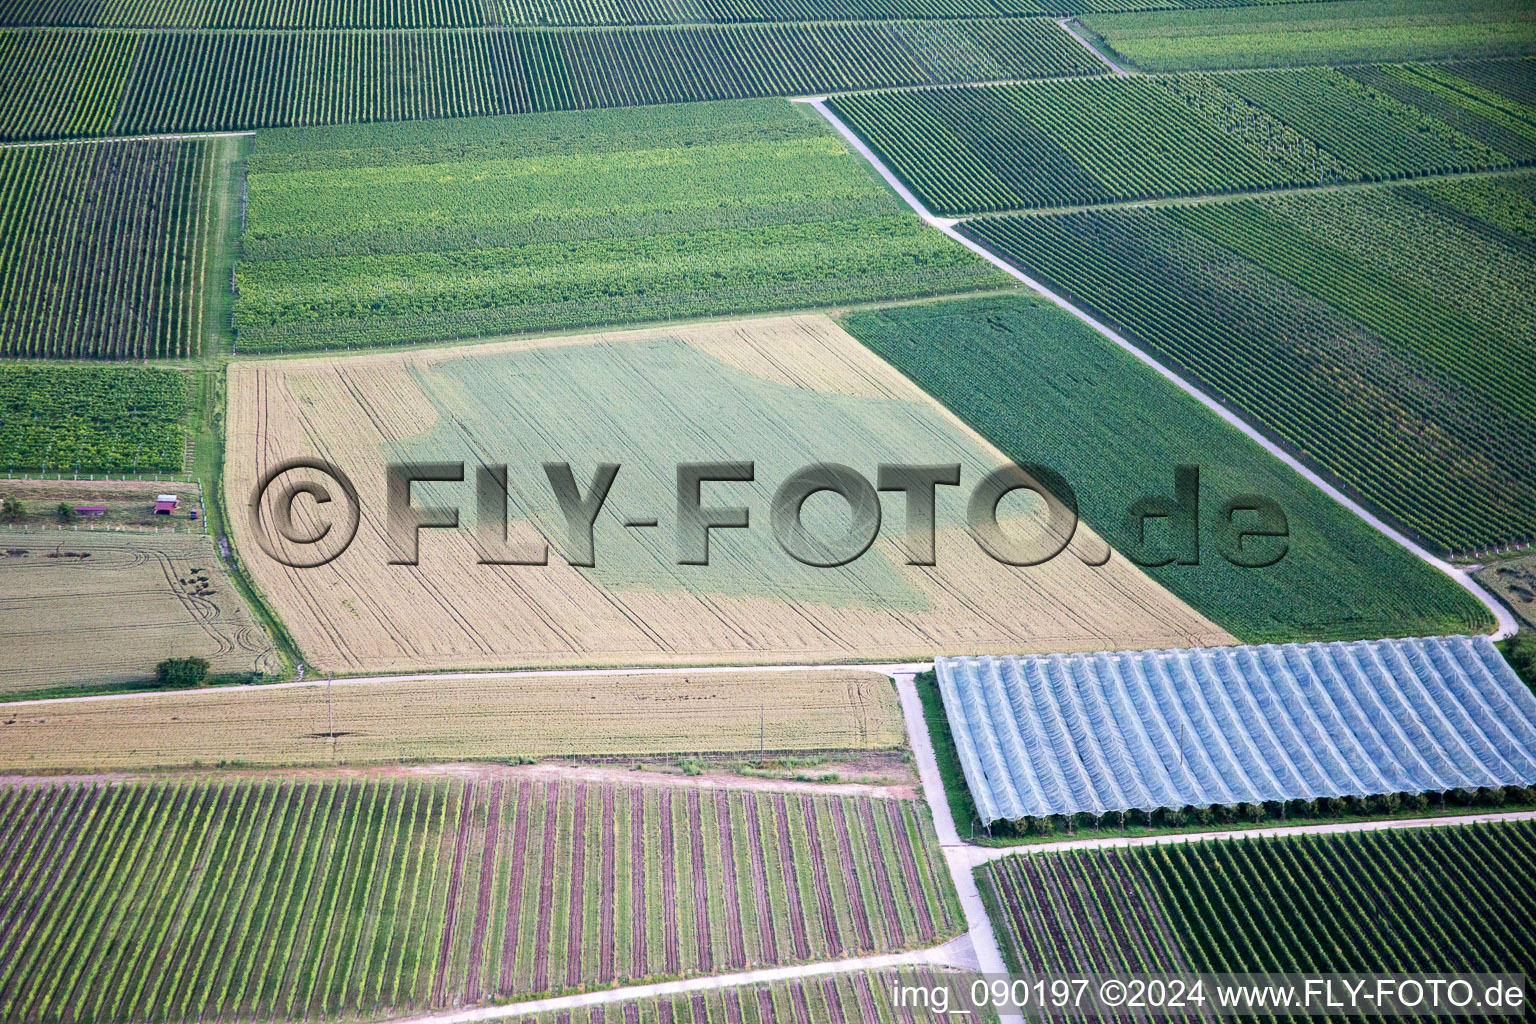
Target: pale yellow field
(782, 392)
(110, 618)
(460, 719)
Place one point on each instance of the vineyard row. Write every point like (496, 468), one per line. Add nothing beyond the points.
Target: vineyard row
(57, 84)
(294, 900)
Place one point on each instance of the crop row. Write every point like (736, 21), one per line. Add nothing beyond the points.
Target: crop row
(239, 14)
(90, 419)
(293, 900)
(103, 248)
(1421, 900)
(187, 81)
(1342, 323)
(1063, 143)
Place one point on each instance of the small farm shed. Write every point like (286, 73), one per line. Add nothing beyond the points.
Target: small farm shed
(90, 511)
(165, 504)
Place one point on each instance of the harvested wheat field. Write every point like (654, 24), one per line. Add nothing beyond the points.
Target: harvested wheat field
(88, 608)
(781, 392)
(446, 718)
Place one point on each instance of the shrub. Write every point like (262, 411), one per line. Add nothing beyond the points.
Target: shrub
(181, 672)
(65, 512)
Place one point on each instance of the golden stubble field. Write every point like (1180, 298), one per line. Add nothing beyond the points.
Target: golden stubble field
(111, 617)
(782, 392)
(466, 718)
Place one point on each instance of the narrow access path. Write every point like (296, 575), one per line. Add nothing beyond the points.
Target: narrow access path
(1506, 625)
(319, 681)
(957, 855)
(982, 854)
(1066, 26)
(123, 138)
(951, 954)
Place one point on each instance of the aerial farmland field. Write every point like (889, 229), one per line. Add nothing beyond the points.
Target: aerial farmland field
(772, 380)
(376, 235)
(1345, 293)
(464, 719)
(88, 608)
(1415, 899)
(90, 419)
(292, 900)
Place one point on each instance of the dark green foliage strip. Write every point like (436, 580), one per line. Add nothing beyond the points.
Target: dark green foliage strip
(1383, 334)
(1047, 389)
(67, 419)
(363, 236)
(187, 81)
(1428, 900)
(101, 249)
(1065, 143)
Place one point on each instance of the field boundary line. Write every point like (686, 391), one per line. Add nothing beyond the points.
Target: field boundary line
(316, 682)
(941, 956)
(1279, 191)
(1065, 24)
(86, 140)
(983, 854)
(1505, 625)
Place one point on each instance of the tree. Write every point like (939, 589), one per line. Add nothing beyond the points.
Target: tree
(65, 512)
(182, 672)
(1520, 652)
(13, 508)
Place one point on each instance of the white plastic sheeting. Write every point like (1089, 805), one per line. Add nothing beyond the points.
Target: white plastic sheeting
(1063, 733)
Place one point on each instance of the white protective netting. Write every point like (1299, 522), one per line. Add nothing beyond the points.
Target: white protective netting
(1059, 734)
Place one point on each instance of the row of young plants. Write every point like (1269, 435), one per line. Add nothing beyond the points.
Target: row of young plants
(295, 14)
(194, 81)
(103, 249)
(1414, 900)
(1064, 143)
(322, 899)
(1282, 306)
(90, 419)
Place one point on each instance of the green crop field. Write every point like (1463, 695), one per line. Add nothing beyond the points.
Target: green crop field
(1064, 143)
(58, 83)
(363, 236)
(1384, 334)
(103, 248)
(320, 899)
(1405, 900)
(88, 419)
(1047, 389)
(1344, 32)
